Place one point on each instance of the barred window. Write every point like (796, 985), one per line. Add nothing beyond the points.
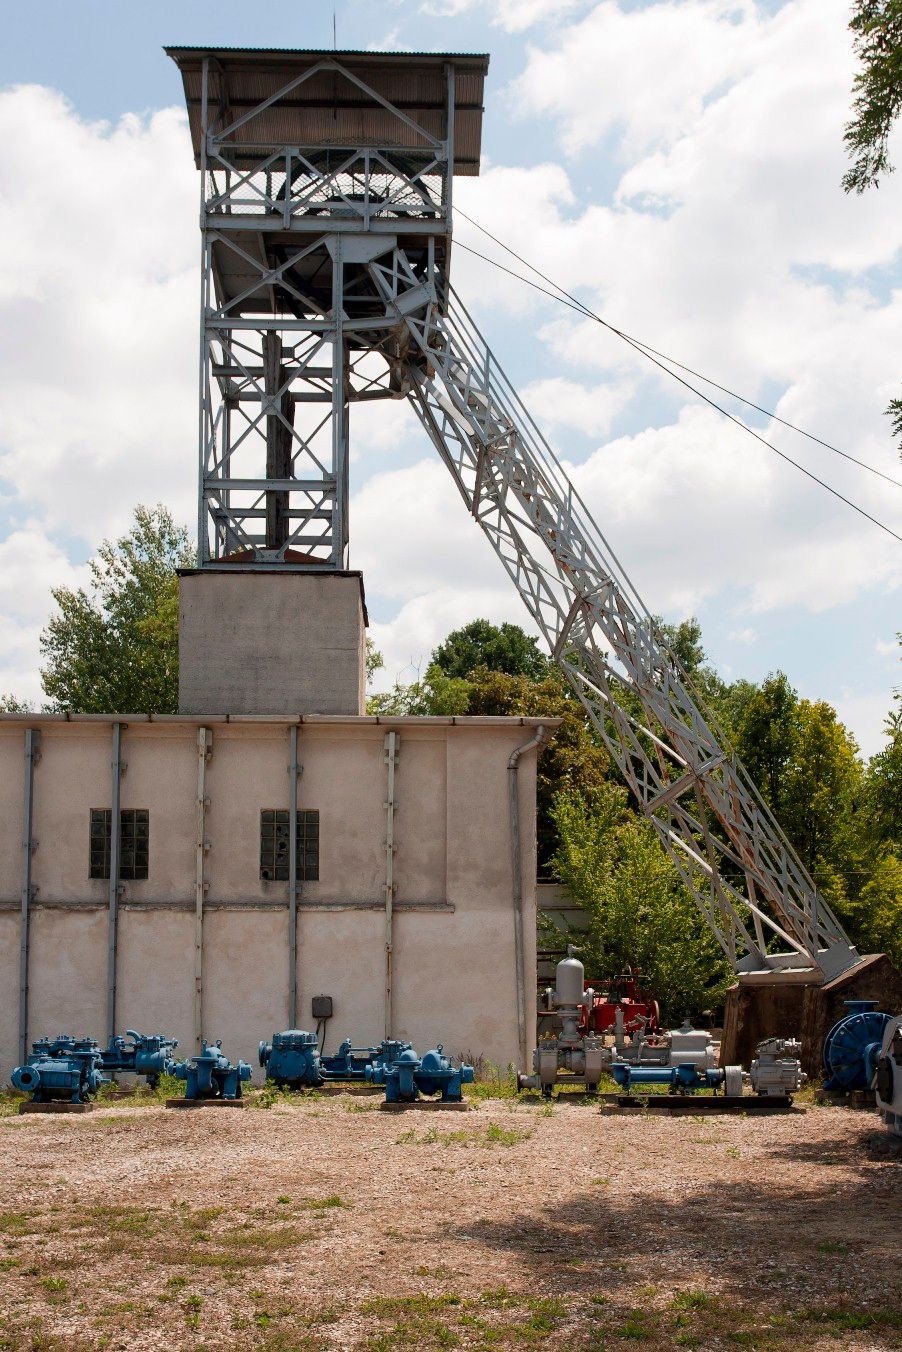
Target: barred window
(274, 837)
(134, 842)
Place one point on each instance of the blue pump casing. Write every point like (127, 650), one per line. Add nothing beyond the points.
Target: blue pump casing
(212, 1075)
(680, 1078)
(852, 1046)
(350, 1063)
(292, 1059)
(409, 1076)
(64, 1069)
(148, 1056)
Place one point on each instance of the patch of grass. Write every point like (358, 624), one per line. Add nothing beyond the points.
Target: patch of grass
(692, 1300)
(491, 1082)
(829, 1246)
(320, 1204)
(361, 1105)
(636, 1329)
(492, 1134)
(390, 1307)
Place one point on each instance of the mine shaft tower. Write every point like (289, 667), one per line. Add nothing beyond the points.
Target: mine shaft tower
(326, 202)
(326, 188)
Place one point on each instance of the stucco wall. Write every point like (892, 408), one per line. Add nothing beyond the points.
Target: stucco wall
(454, 977)
(271, 642)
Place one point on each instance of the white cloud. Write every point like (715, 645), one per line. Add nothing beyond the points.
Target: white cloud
(98, 314)
(514, 16)
(30, 565)
(887, 648)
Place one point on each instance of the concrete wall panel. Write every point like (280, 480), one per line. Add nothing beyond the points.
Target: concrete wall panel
(245, 980)
(342, 954)
(67, 973)
(74, 775)
(9, 993)
(161, 777)
(271, 643)
(12, 787)
(155, 974)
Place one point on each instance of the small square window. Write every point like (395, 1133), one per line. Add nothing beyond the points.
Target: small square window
(134, 843)
(274, 845)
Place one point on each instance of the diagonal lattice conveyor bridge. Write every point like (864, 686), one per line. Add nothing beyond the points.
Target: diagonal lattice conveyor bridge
(326, 208)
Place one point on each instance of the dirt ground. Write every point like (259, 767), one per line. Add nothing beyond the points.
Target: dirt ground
(329, 1224)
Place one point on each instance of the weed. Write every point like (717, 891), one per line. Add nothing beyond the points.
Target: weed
(176, 1283)
(830, 1247)
(283, 1200)
(692, 1300)
(313, 1205)
(601, 1182)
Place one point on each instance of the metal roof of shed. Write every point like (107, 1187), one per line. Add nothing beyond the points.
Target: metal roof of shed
(329, 110)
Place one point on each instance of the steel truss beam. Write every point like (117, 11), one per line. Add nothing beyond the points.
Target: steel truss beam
(747, 880)
(293, 331)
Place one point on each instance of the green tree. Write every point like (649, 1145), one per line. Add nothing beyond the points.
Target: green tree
(821, 793)
(766, 737)
(877, 26)
(640, 913)
(11, 704)
(113, 647)
(497, 647)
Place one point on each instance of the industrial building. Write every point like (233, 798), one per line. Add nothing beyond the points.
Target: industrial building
(276, 844)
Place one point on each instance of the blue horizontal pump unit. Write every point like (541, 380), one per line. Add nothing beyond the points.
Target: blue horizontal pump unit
(211, 1075)
(292, 1059)
(852, 1047)
(64, 1069)
(409, 1076)
(350, 1063)
(148, 1056)
(680, 1078)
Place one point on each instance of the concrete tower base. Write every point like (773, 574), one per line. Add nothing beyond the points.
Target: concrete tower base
(785, 1004)
(271, 642)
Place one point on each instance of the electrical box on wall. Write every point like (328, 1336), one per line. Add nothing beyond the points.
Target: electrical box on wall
(321, 1007)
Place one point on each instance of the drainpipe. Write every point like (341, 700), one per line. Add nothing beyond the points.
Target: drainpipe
(513, 764)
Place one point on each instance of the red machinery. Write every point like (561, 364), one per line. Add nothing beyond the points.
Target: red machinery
(626, 993)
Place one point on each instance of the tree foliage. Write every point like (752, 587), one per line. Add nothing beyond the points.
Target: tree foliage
(877, 26)
(502, 647)
(113, 646)
(640, 913)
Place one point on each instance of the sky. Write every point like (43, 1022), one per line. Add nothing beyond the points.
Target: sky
(675, 163)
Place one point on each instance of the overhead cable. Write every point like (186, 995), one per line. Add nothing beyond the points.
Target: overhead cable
(575, 303)
(572, 303)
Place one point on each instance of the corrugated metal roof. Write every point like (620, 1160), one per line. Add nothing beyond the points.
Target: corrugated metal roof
(329, 110)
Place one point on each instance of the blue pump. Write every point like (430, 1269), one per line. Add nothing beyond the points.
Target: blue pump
(684, 1078)
(292, 1059)
(64, 1069)
(148, 1056)
(852, 1046)
(409, 1076)
(211, 1075)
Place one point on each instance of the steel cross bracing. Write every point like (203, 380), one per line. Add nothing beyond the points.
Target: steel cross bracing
(292, 331)
(730, 852)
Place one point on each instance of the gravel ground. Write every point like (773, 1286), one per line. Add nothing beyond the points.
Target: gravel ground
(331, 1225)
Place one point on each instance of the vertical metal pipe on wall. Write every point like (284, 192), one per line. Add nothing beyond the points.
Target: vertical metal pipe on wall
(202, 846)
(513, 766)
(117, 769)
(32, 756)
(293, 771)
(392, 742)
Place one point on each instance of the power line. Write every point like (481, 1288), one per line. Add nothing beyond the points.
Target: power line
(574, 304)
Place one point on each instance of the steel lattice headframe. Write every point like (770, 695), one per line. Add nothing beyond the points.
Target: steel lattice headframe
(326, 218)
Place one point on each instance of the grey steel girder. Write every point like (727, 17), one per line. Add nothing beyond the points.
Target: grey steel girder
(746, 878)
(292, 329)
